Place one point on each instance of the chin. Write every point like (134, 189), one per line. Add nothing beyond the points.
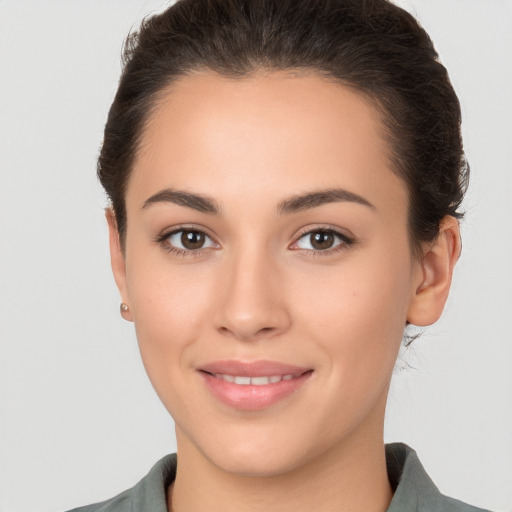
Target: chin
(256, 452)
(257, 464)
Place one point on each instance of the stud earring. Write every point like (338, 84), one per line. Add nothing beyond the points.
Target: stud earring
(123, 307)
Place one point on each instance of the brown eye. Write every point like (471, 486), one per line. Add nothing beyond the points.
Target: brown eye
(192, 239)
(321, 240)
(189, 240)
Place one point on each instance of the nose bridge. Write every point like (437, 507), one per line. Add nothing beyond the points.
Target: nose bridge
(252, 305)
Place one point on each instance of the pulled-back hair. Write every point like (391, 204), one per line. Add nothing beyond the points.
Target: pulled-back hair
(371, 46)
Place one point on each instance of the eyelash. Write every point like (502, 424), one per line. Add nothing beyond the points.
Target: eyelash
(345, 243)
(184, 253)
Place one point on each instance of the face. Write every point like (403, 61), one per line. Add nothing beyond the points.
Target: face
(267, 268)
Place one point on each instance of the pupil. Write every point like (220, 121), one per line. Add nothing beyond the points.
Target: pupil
(192, 239)
(322, 240)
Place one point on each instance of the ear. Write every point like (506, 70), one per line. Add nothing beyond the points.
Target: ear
(435, 274)
(117, 260)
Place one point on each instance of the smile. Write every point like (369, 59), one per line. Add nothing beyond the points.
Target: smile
(243, 380)
(252, 386)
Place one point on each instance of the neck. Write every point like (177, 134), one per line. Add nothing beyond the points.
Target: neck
(348, 478)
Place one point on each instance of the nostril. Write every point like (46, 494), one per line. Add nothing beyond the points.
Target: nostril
(247, 316)
(247, 332)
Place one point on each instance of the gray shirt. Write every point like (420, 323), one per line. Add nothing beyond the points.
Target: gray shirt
(414, 491)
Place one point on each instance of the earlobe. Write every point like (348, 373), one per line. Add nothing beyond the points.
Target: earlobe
(118, 262)
(435, 275)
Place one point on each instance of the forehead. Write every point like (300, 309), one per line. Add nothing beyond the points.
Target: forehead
(277, 132)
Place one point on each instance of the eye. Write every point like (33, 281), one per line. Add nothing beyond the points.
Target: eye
(322, 240)
(187, 240)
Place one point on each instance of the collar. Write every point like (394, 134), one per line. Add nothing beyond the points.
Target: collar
(414, 491)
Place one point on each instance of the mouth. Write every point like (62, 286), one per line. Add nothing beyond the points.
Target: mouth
(253, 386)
(243, 380)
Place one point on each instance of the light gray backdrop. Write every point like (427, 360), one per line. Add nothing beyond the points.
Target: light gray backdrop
(79, 421)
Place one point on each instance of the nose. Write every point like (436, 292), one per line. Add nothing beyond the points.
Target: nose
(252, 305)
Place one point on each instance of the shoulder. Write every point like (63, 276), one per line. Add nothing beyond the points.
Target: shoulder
(148, 494)
(120, 503)
(414, 490)
(452, 505)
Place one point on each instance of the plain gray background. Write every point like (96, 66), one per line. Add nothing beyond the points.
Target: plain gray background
(79, 421)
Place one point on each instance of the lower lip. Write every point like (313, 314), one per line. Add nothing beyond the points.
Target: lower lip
(250, 397)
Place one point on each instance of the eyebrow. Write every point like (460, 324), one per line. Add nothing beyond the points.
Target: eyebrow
(197, 202)
(205, 204)
(320, 197)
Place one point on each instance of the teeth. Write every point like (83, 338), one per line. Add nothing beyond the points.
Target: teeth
(260, 381)
(254, 381)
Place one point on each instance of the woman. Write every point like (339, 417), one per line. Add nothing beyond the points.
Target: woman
(286, 180)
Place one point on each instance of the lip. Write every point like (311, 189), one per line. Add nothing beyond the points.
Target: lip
(252, 368)
(249, 397)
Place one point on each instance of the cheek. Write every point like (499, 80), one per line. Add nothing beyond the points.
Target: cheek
(357, 323)
(170, 307)
(357, 312)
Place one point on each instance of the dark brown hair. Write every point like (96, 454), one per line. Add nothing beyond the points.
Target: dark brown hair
(372, 46)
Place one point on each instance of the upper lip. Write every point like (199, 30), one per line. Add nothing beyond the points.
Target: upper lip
(252, 368)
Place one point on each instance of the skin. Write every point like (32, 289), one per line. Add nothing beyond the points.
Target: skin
(258, 289)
